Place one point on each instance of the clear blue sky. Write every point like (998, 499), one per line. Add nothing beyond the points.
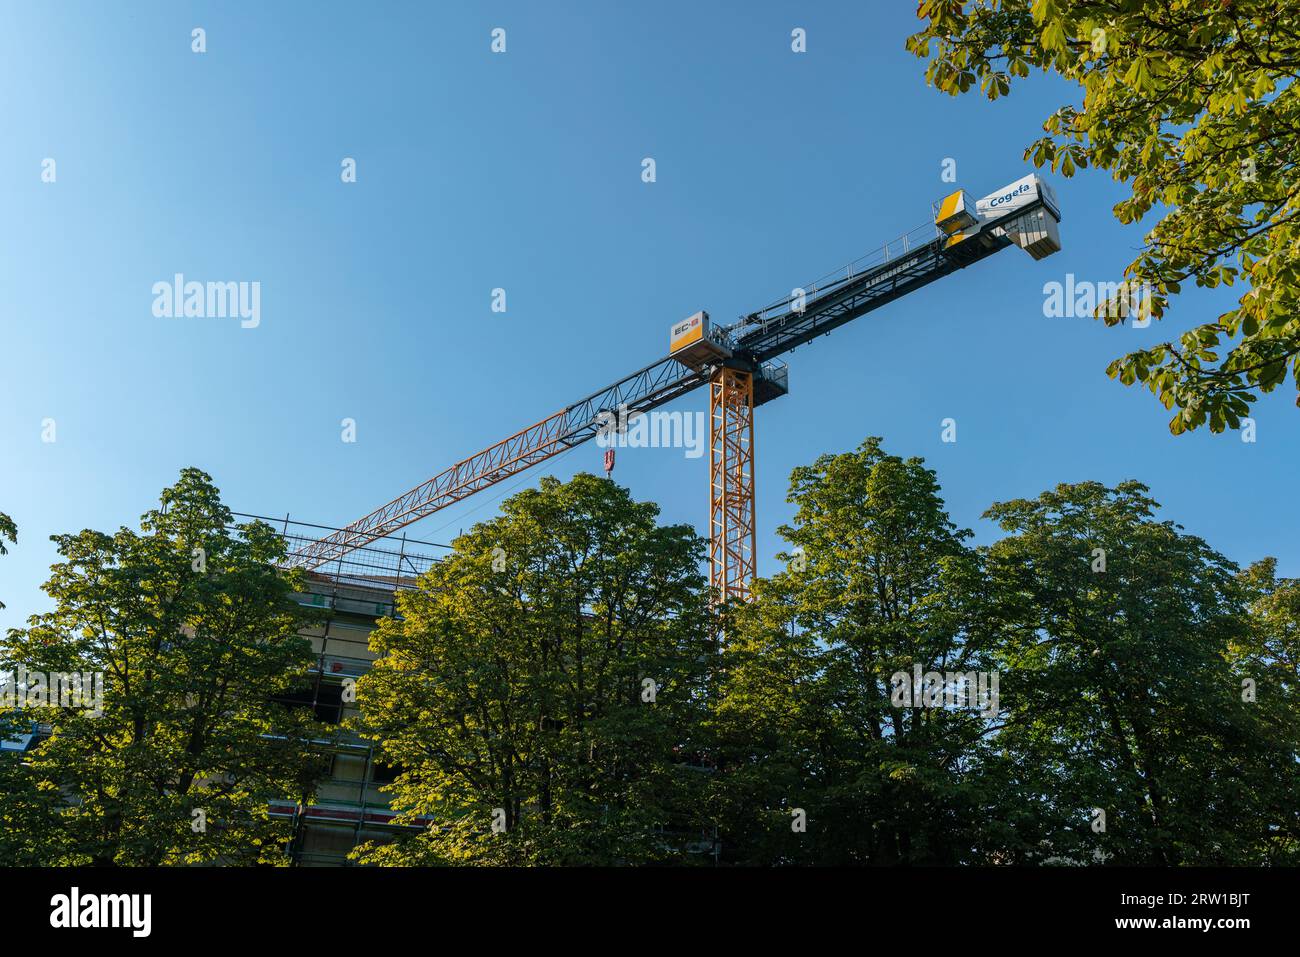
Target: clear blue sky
(522, 171)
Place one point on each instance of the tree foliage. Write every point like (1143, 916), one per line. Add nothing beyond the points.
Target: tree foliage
(1123, 733)
(1194, 106)
(558, 691)
(8, 530)
(193, 629)
(879, 580)
(1121, 694)
(515, 688)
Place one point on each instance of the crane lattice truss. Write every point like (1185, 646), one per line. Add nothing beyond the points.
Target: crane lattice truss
(746, 378)
(731, 483)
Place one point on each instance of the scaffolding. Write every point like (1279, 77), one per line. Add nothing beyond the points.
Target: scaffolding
(391, 562)
(353, 592)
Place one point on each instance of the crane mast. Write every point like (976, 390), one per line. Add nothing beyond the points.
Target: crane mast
(740, 364)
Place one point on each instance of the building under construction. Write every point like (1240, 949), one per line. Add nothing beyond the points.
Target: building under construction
(350, 806)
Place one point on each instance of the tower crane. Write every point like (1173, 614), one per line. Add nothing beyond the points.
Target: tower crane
(739, 364)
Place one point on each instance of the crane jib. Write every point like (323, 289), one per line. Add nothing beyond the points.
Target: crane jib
(756, 339)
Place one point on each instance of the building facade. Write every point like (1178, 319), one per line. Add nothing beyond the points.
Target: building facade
(351, 805)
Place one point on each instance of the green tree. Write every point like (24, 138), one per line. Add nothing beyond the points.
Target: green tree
(10, 531)
(1274, 643)
(879, 580)
(193, 629)
(1120, 694)
(548, 677)
(1267, 663)
(28, 814)
(1194, 105)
